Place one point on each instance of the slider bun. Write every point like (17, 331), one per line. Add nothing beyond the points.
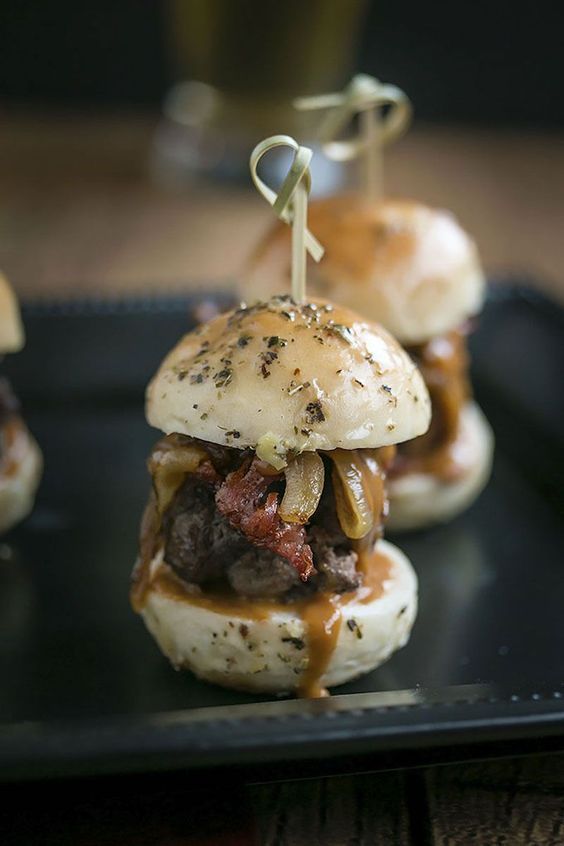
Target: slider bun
(11, 329)
(17, 487)
(360, 389)
(270, 655)
(410, 267)
(419, 500)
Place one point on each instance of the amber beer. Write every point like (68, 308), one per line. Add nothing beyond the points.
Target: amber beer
(258, 56)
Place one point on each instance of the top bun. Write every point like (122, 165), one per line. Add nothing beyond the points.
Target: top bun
(282, 377)
(410, 267)
(11, 329)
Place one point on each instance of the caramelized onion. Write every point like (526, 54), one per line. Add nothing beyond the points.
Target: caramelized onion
(169, 466)
(377, 462)
(355, 508)
(304, 485)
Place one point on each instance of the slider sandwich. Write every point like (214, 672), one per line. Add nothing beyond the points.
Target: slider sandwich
(20, 458)
(414, 270)
(262, 565)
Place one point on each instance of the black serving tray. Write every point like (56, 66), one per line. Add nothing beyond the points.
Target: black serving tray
(83, 687)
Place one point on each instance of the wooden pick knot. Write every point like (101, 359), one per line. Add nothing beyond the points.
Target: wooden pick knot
(299, 173)
(364, 96)
(290, 204)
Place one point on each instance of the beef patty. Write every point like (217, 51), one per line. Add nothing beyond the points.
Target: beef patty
(202, 547)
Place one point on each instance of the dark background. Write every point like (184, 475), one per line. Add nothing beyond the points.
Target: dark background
(507, 58)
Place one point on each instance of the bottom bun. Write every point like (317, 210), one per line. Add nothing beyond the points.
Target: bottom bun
(421, 499)
(271, 648)
(21, 464)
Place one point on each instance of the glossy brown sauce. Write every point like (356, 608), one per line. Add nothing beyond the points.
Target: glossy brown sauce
(374, 567)
(321, 613)
(220, 599)
(443, 362)
(148, 539)
(323, 617)
(14, 445)
(375, 465)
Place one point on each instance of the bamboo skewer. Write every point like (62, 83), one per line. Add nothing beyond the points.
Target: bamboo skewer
(290, 204)
(366, 97)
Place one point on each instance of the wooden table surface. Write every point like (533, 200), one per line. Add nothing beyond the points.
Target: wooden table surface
(80, 212)
(517, 802)
(79, 215)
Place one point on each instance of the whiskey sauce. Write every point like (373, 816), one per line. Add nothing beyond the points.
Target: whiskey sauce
(14, 445)
(321, 613)
(443, 362)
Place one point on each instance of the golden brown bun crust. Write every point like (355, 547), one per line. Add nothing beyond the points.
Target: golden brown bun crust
(11, 329)
(305, 377)
(410, 267)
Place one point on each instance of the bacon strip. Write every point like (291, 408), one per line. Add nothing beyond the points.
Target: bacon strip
(239, 499)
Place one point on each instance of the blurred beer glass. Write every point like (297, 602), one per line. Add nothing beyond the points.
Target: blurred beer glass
(239, 64)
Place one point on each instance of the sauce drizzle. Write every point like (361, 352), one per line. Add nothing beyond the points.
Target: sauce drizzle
(321, 613)
(443, 362)
(14, 445)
